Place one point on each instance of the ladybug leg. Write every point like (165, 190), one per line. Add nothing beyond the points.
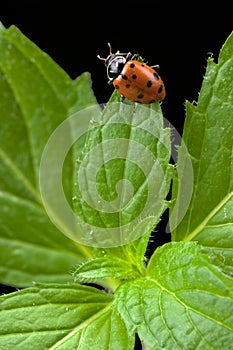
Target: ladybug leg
(122, 98)
(110, 81)
(135, 57)
(129, 56)
(156, 66)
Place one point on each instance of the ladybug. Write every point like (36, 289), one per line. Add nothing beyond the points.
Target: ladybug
(132, 78)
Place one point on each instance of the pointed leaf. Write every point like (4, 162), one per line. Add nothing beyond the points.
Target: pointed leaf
(185, 302)
(92, 270)
(36, 96)
(208, 136)
(123, 174)
(61, 317)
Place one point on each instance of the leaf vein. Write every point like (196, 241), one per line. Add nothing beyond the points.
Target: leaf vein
(17, 99)
(203, 224)
(22, 178)
(80, 327)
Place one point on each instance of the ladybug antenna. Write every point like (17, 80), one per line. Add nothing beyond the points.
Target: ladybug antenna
(110, 49)
(110, 53)
(101, 58)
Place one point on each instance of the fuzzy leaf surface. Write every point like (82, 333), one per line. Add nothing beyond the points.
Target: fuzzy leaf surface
(123, 174)
(92, 270)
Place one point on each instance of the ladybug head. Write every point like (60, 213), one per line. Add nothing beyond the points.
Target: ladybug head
(114, 63)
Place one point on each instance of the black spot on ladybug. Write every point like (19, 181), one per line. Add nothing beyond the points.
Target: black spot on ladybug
(160, 89)
(117, 87)
(140, 96)
(152, 101)
(143, 65)
(127, 86)
(124, 76)
(134, 76)
(156, 76)
(149, 83)
(132, 65)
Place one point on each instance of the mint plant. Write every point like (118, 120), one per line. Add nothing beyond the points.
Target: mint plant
(82, 187)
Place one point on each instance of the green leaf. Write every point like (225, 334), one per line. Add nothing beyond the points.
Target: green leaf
(208, 136)
(36, 96)
(61, 317)
(184, 303)
(93, 270)
(122, 174)
(31, 249)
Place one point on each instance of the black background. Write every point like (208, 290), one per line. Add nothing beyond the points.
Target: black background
(177, 36)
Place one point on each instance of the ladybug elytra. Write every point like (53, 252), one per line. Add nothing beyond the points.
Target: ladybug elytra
(133, 79)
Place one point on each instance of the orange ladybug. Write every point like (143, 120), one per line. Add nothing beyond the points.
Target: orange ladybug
(133, 79)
